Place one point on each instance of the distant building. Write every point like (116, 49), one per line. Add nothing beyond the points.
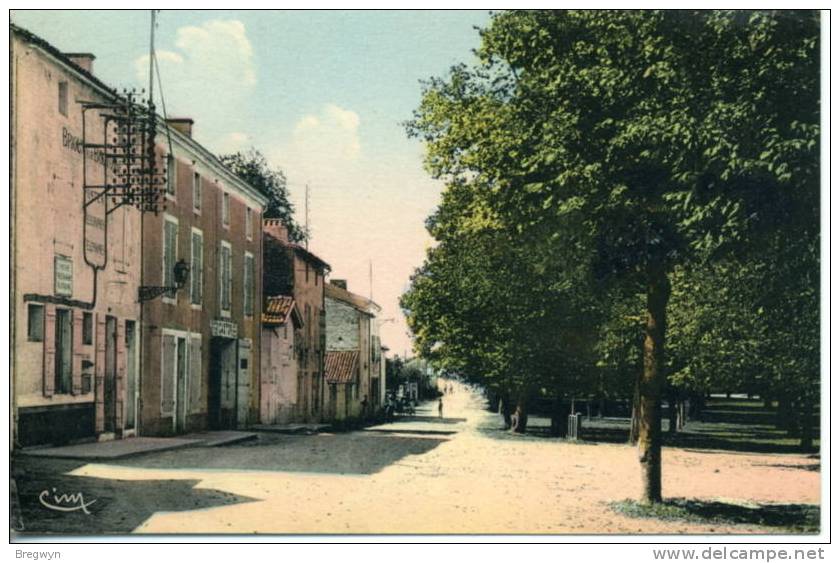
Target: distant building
(354, 378)
(282, 328)
(290, 270)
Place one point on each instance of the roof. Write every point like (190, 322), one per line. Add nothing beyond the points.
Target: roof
(186, 142)
(278, 309)
(299, 250)
(363, 304)
(340, 366)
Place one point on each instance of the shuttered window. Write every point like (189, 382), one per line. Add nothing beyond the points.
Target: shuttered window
(225, 275)
(197, 268)
(248, 282)
(170, 251)
(171, 175)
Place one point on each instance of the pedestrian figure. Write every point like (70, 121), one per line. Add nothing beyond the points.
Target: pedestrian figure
(440, 407)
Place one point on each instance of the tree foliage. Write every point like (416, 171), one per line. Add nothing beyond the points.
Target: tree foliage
(254, 169)
(629, 158)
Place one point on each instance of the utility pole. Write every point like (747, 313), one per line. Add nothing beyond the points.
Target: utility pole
(370, 277)
(152, 60)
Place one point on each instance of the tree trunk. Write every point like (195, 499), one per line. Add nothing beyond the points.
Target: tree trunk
(788, 418)
(806, 439)
(504, 410)
(650, 385)
(633, 439)
(520, 418)
(783, 413)
(673, 423)
(768, 403)
(559, 418)
(602, 407)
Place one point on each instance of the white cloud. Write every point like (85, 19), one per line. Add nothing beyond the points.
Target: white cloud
(233, 142)
(331, 135)
(208, 77)
(219, 45)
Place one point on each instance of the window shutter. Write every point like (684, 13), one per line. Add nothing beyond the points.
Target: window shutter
(169, 249)
(49, 350)
(167, 376)
(78, 350)
(119, 384)
(195, 374)
(100, 373)
(197, 268)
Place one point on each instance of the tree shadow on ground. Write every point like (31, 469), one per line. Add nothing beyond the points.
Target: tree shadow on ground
(429, 418)
(784, 518)
(354, 453)
(115, 506)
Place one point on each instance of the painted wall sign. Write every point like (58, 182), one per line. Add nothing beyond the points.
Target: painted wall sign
(63, 275)
(223, 329)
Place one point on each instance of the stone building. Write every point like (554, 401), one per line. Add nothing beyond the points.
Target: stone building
(356, 387)
(75, 256)
(201, 351)
(291, 270)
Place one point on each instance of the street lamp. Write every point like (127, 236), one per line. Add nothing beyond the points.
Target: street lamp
(180, 272)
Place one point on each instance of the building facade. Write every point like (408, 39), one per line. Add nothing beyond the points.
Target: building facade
(201, 347)
(76, 256)
(354, 354)
(282, 328)
(291, 270)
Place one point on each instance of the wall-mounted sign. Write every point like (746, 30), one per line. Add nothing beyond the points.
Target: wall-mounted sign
(223, 329)
(63, 276)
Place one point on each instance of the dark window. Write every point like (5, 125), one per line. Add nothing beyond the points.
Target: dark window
(197, 191)
(62, 98)
(36, 323)
(87, 329)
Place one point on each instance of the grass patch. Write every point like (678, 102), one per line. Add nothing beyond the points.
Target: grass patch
(787, 518)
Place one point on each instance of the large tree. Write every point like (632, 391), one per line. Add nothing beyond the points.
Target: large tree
(252, 166)
(669, 133)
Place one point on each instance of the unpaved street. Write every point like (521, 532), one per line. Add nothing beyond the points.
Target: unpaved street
(456, 474)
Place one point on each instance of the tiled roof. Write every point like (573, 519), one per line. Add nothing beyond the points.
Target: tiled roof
(363, 304)
(278, 309)
(341, 366)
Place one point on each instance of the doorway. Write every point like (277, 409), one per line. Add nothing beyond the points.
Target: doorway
(221, 389)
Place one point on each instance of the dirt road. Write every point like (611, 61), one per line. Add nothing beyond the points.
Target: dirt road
(458, 473)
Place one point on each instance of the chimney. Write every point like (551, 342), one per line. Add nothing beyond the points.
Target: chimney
(339, 283)
(276, 229)
(84, 60)
(182, 124)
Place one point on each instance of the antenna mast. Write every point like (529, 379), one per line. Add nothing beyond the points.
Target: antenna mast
(306, 226)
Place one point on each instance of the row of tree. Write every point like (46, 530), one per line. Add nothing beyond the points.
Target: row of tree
(616, 178)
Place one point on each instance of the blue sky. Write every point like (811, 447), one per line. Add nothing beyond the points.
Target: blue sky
(321, 93)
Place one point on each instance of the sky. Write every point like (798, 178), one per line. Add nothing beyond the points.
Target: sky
(323, 94)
